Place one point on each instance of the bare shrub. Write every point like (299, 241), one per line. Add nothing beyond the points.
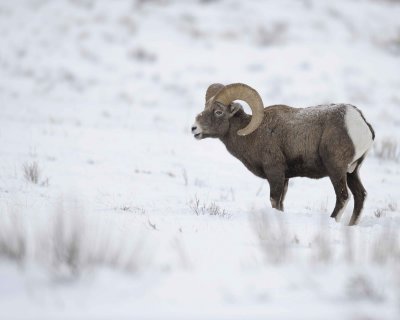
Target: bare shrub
(387, 149)
(392, 44)
(128, 23)
(129, 208)
(385, 247)
(349, 247)
(119, 253)
(67, 245)
(201, 208)
(142, 55)
(152, 225)
(32, 172)
(75, 249)
(13, 237)
(185, 177)
(390, 206)
(359, 287)
(45, 182)
(322, 247)
(273, 35)
(273, 237)
(380, 212)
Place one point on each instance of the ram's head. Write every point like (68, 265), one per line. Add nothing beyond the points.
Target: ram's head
(220, 107)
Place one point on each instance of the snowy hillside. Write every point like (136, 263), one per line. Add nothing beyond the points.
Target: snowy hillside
(109, 209)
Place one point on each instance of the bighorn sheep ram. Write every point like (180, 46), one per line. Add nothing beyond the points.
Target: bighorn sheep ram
(280, 142)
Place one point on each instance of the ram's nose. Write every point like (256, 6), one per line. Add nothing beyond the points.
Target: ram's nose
(197, 131)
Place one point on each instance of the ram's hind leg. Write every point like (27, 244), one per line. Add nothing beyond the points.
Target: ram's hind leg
(342, 196)
(336, 154)
(338, 177)
(357, 189)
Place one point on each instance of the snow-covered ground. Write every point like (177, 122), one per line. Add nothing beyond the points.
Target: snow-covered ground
(131, 218)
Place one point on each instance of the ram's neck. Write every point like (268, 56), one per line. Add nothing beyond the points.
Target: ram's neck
(243, 148)
(233, 142)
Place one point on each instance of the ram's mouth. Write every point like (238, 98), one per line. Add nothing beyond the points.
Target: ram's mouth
(198, 136)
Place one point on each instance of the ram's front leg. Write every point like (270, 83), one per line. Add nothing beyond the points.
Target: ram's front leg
(278, 188)
(285, 188)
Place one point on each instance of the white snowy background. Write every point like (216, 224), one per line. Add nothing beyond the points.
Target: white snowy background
(109, 209)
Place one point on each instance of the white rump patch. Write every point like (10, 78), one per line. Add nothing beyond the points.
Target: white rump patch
(359, 133)
(351, 167)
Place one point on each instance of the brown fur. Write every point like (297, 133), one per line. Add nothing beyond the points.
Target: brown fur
(290, 142)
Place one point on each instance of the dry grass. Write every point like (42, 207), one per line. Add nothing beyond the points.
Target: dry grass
(360, 287)
(212, 209)
(273, 237)
(322, 249)
(130, 208)
(272, 35)
(32, 172)
(13, 241)
(390, 206)
(385, 247)
(185, 177)
(279, 244)
(387, 149)
(68, 244)
(142, 54)
(380, 248)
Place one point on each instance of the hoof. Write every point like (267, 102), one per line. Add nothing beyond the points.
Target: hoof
(353, 222)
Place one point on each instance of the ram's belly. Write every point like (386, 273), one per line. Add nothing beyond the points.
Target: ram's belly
(301, 167)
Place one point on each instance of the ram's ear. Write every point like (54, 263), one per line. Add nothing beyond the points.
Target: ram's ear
(233, 108)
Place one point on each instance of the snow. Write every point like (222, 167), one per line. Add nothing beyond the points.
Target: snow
(102, 96)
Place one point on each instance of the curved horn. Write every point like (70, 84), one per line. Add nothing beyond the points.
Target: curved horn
(240, 91)
(213, 89)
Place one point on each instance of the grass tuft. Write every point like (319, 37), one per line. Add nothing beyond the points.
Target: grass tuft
(273, 237)
(387, 149)
(212, 209)
(68, 244)
(32, 172)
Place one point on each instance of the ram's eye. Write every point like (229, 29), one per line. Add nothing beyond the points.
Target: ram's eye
(218, 113)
